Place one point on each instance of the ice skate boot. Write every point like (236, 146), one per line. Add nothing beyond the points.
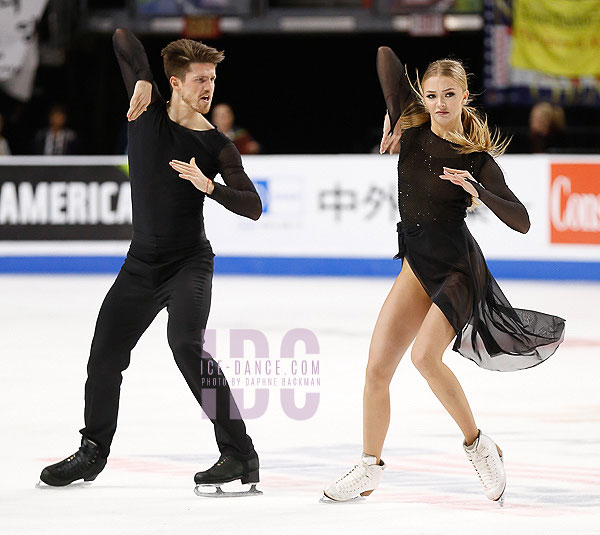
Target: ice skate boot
(226, 470)
(362, 480)
(487, 459)
(85, 464)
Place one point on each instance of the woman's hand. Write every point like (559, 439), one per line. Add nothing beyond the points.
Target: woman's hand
(140, 100)
(191, 172)
(459, 177)
(390, 140)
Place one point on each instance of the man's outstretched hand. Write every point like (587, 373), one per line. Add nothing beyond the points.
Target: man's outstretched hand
(191, 172)
(142, 94)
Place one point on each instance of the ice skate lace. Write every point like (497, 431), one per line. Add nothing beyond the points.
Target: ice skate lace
(485, 470)
(218, 464)
(352, 479)
(82, 457)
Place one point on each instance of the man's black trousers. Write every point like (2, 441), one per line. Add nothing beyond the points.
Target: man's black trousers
(157, 275)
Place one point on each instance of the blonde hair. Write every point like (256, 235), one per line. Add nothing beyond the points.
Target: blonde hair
(476, 136)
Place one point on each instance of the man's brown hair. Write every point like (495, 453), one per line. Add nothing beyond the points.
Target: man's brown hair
(178, 55)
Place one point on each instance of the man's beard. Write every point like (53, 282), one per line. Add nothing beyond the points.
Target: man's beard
(199, 106)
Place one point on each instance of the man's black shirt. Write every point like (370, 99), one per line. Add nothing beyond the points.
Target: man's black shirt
(166, 206)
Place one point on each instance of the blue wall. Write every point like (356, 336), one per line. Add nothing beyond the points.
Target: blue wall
(375, 267)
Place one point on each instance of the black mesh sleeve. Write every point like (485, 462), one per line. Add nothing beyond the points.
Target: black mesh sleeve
(396, 88)
(133, 61)
(239, 195)
(497, 196)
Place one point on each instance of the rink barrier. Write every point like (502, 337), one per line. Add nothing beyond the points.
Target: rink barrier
(323, 215)
(280, 266)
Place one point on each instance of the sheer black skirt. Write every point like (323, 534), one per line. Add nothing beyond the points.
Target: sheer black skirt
(450, 265)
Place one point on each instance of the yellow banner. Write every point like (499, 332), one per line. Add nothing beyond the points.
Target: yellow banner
(557, 37)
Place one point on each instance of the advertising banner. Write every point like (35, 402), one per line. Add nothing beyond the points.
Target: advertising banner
(542, 50)
(323, 206)
(575, 203)
(335, 214)
(557, 37)
(42, 201)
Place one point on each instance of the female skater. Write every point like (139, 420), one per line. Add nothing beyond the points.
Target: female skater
(444, 290)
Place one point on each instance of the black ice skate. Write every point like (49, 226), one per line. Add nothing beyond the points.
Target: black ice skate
(226, 470)
(85, 464)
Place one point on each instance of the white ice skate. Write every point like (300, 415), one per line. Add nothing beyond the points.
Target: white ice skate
(362, 480)
(487, 459)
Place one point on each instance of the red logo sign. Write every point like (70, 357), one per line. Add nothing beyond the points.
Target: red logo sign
(575, 203)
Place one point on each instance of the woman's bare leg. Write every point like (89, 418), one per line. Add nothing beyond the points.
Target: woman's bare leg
(432, 339)
(397, 325)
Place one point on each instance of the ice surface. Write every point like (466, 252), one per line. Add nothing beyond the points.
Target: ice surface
(546, 419)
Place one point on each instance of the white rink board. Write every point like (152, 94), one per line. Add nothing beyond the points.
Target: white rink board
(295, 225)
(300, 220)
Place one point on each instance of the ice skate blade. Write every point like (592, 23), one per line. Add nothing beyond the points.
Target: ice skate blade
(328, 500)
(220, 493)
(74, 485)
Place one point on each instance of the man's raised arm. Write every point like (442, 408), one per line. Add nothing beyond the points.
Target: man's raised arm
(136, 72)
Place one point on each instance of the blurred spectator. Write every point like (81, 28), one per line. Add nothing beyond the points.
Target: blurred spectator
(223, 118)
(4, 148)
(56, 138)
(547, 127)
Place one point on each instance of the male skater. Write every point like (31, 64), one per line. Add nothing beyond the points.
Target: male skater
(170, 260)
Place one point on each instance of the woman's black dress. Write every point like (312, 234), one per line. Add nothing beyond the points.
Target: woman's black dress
(436, 242)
